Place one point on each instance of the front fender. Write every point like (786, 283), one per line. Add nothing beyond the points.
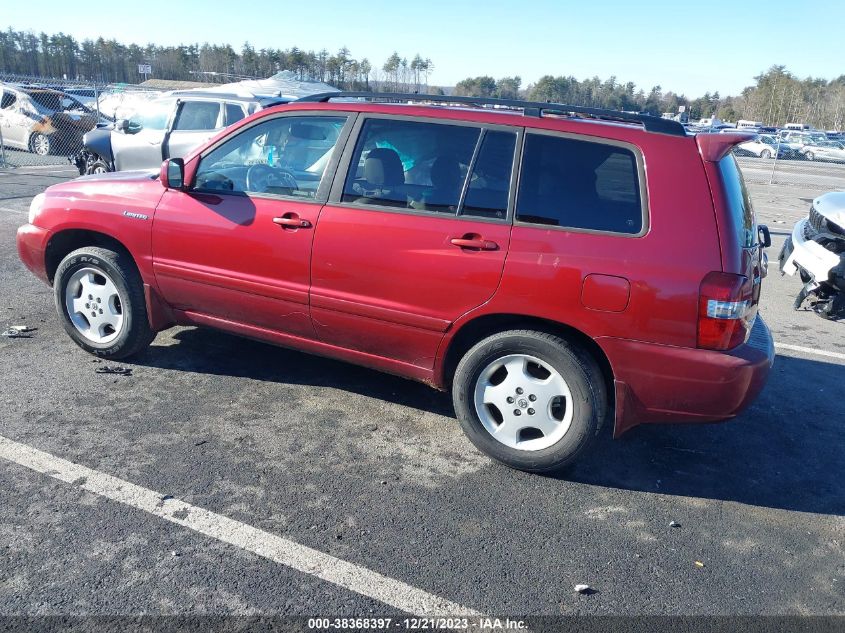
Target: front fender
(98, 141)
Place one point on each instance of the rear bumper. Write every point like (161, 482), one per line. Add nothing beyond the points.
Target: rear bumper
(32, 243)
(659, 383)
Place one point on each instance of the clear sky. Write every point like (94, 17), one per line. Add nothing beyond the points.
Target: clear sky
(687, 47)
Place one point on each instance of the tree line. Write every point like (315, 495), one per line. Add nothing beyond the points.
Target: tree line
(110, 61)
(777, 97)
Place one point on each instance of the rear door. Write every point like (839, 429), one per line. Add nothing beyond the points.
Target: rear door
(414, 235)
(195, 123)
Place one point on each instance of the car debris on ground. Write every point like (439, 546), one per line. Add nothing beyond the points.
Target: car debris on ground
(18, 331)
(107, 369)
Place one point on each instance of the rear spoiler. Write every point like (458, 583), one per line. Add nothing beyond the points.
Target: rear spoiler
(714, 147)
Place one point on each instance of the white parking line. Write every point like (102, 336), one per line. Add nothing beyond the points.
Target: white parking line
(280, 550)
(809, 350)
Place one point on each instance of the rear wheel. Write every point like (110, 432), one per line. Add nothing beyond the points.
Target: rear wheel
(100, 300)
(765, 154)
(809, 156)
(531, 400)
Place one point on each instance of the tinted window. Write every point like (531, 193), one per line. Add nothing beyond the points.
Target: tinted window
(50, 101)
(739, 204)
(579, 184)
(489, 184)
(284, 156)
(410, 164)
(234, 113)
(197, 115)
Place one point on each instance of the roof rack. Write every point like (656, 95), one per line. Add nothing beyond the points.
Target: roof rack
(529, 108)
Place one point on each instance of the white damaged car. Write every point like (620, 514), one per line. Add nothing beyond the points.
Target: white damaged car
(816, 251)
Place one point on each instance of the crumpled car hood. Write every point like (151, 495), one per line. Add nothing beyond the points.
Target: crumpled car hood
(832, 206)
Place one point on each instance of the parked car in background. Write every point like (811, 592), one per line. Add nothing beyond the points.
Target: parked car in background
(168, 127)
(43, 120)
(830, 151)
(86, 96)
(797, 141)
(530, 264)
(764, 146)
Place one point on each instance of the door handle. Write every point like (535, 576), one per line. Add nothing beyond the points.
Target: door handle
(292, 221)
(475, 242)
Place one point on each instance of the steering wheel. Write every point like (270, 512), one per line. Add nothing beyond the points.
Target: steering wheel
(261, 177)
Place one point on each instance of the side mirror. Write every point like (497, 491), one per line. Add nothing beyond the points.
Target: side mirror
(765, 236)
(172, 174)
(122, 125)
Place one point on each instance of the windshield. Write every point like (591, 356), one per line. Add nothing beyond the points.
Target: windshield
(55, 102)
(152, 116)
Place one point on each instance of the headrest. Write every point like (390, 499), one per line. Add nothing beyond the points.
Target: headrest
(383, 167)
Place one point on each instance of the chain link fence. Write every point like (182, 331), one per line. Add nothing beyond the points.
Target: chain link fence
(812, 161)
(43, 120)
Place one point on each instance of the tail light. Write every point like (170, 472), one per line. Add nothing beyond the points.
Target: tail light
(726, 310)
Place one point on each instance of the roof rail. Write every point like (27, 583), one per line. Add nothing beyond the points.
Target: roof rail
(529, 108)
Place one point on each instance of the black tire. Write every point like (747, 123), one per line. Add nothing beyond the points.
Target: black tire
(578, 368)
(40, 144)
(135, 334)
(809, 156)
(765, 154)
(97, 167)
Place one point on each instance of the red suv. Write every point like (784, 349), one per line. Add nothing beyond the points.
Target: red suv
(554, 267)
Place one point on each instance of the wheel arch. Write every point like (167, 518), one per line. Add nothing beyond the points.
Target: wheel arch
(69, 240)
(479, 328)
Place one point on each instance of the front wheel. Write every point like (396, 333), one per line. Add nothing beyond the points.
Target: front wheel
(100, 300)
(40, 144)
(809, 156)
(765, 154)
(531, 400)
(99, 166)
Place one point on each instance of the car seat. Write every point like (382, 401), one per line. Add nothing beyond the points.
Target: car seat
(383, 179)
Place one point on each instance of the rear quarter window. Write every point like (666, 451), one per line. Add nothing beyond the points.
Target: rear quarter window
(578, 184)
(739, 210)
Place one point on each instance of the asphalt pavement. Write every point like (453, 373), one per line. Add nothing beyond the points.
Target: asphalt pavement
(270, 450)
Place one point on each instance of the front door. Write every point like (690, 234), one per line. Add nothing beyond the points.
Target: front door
(413, 237)
(237, 246)
(140, 146)
(196, 122)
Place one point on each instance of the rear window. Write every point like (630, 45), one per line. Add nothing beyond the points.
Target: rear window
(740, 211)
(579, 184)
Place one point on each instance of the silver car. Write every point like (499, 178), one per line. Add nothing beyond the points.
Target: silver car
(42, 120)
(168, 127)
(832, 151)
